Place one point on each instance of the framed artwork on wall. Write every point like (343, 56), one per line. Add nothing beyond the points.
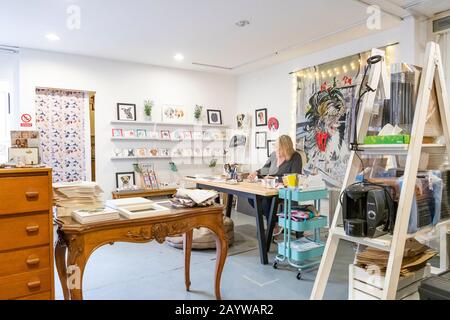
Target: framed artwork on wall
(270, 147)
(173, 114)
(261, 140)
(214, 116)
(273, 124)
(125, 180)
(126, 112)
(243, 121)
(261, 117)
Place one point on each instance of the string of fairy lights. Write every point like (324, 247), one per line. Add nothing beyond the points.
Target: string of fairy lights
(328, 76)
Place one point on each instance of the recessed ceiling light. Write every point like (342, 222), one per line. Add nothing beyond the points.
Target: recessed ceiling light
(242, 23)
(52, 37)
(178, 57)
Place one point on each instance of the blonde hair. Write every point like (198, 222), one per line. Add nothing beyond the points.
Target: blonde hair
(286, 146)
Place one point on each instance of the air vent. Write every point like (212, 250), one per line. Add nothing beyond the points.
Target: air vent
(441, 25)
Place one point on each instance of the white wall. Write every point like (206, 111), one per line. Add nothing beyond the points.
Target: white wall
(114, 82)
(272, 87)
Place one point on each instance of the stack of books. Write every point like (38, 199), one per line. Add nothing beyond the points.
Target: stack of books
(94, 216)
(72, 196)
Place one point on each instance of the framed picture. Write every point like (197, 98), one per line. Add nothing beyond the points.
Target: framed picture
(129, 153)
(187, 135)
(270, 147)
(164, 152)
(118, 152)
(176, 136)
(261, 140)
(131, 133)
(165, 134)
(28, 156)
(261, 117)
(173, 114)
(197, 135)
(25, 139)
(125, 180)
(153, 152)
(214, 116)
(153, 134)
(243, 121)
(117, 132)
(141, 133)
(140, 152)
(126, 112)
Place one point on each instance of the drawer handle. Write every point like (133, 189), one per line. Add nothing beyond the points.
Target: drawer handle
(32, 229)
(33, 261)
(32, 195)
(34, 284)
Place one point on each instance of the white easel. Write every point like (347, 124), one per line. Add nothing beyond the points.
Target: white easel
(432, 74)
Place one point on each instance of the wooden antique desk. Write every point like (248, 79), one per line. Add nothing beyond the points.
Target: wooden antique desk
(79, 241)
(255, 192)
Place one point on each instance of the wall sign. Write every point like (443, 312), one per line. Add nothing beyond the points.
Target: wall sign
(26, 120)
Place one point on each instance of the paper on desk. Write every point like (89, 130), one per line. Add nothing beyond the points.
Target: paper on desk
(197, 195)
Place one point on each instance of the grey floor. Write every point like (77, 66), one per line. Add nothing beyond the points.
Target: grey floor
(154, 271)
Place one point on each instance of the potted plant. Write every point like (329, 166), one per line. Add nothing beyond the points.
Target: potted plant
(198, 113)
(148, 107)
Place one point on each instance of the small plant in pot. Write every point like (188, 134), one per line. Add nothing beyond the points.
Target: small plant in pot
(198, 113)
(148, 107)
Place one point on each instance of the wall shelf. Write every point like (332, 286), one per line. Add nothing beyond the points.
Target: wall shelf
(147, 123)
(164, 157)
(165, 140)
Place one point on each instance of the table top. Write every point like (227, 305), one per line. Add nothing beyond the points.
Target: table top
(69, 224)
(247, 187)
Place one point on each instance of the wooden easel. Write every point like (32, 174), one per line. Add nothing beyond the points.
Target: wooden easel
(432, 74)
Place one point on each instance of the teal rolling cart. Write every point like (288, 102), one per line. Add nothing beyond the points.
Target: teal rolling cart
(306, 252)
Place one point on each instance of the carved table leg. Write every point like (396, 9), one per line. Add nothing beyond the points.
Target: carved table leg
(221, 255)
(60, 259)
(187, 246)
(76, 262)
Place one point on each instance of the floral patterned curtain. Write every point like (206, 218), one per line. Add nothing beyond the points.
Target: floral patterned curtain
(60, 118)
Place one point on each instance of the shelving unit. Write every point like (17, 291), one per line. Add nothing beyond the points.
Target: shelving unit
(432, 77)
(147, 123)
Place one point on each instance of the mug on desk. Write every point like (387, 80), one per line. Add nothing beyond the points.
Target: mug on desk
(290, 180)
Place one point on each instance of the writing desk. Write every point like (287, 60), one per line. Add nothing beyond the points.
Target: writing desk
(80, 240)
(255, 192)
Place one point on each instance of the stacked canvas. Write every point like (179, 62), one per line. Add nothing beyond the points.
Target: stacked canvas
(72, 196)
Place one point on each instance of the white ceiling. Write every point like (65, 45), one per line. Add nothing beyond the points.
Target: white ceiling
(204, 31)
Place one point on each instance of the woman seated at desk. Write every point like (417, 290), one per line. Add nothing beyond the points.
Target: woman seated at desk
(284, 160)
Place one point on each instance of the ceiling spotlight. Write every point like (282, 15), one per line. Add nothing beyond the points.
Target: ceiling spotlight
(242, 23)
(178, 57)
(52, 37)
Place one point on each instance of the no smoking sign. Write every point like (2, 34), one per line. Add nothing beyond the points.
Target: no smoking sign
(26, 120)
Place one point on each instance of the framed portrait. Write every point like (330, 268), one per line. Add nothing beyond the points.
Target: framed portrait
(141, 133)
(270, 147)
(125, 180)
(261, 117)
(126, 112)
(28, 156)
(165, 134)
(117, 132)
(261, 140)
(173, 114)
(214, 116)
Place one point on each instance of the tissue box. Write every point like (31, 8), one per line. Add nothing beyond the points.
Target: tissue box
(394, 139)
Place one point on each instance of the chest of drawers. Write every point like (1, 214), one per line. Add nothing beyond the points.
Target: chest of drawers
(26, 234)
